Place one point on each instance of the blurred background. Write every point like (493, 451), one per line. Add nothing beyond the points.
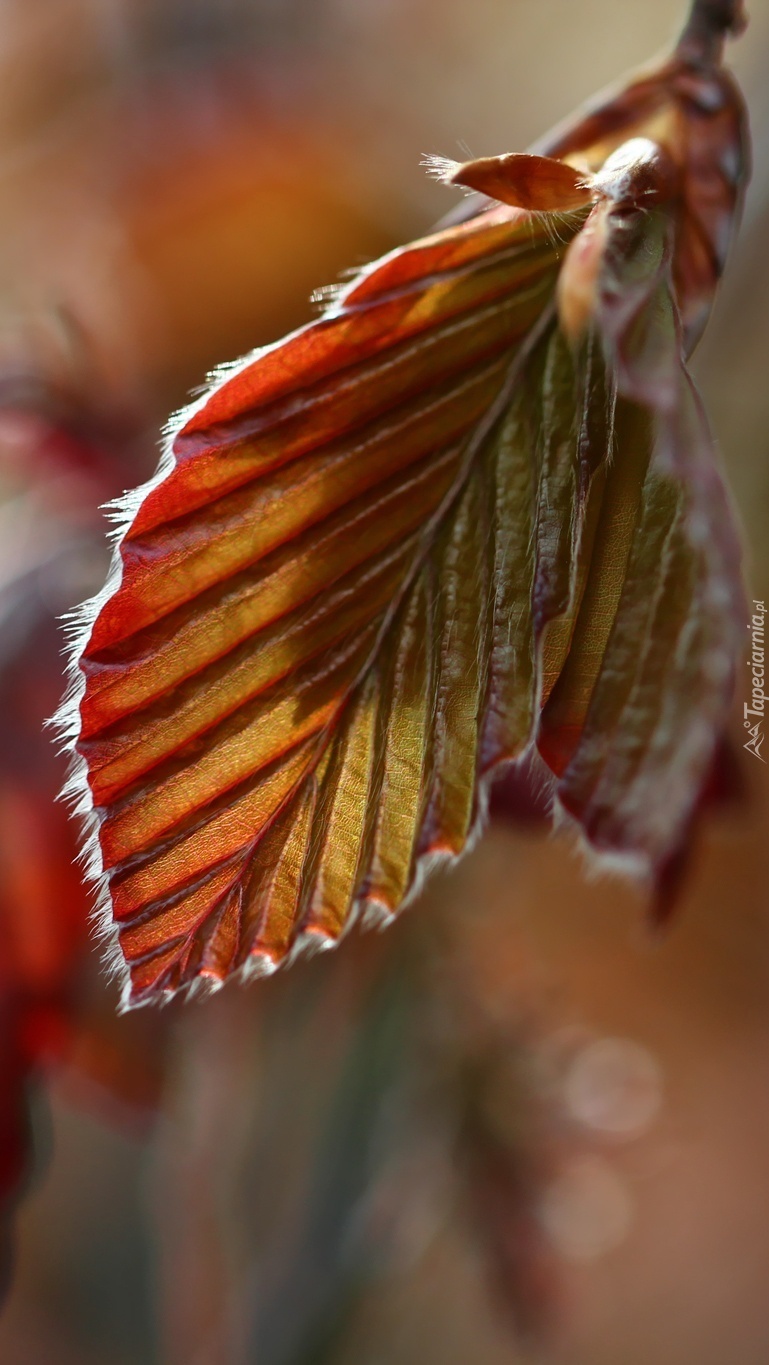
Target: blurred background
(517, 1129)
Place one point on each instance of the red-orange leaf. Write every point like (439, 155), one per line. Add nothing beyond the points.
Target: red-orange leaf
(422, 535)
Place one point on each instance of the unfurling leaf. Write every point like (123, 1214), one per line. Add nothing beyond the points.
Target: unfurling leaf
(527, 182)
(471, 511)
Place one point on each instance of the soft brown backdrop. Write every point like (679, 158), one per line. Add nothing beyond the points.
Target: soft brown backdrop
(174, 180)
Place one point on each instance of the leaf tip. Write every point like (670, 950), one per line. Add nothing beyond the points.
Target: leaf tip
(441, 168)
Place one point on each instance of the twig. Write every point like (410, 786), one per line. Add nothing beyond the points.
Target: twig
(709, 22)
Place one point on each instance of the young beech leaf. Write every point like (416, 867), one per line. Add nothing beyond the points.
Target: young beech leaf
(527, 182)
(468, 513)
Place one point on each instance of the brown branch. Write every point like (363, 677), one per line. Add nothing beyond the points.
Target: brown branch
(709, 22)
